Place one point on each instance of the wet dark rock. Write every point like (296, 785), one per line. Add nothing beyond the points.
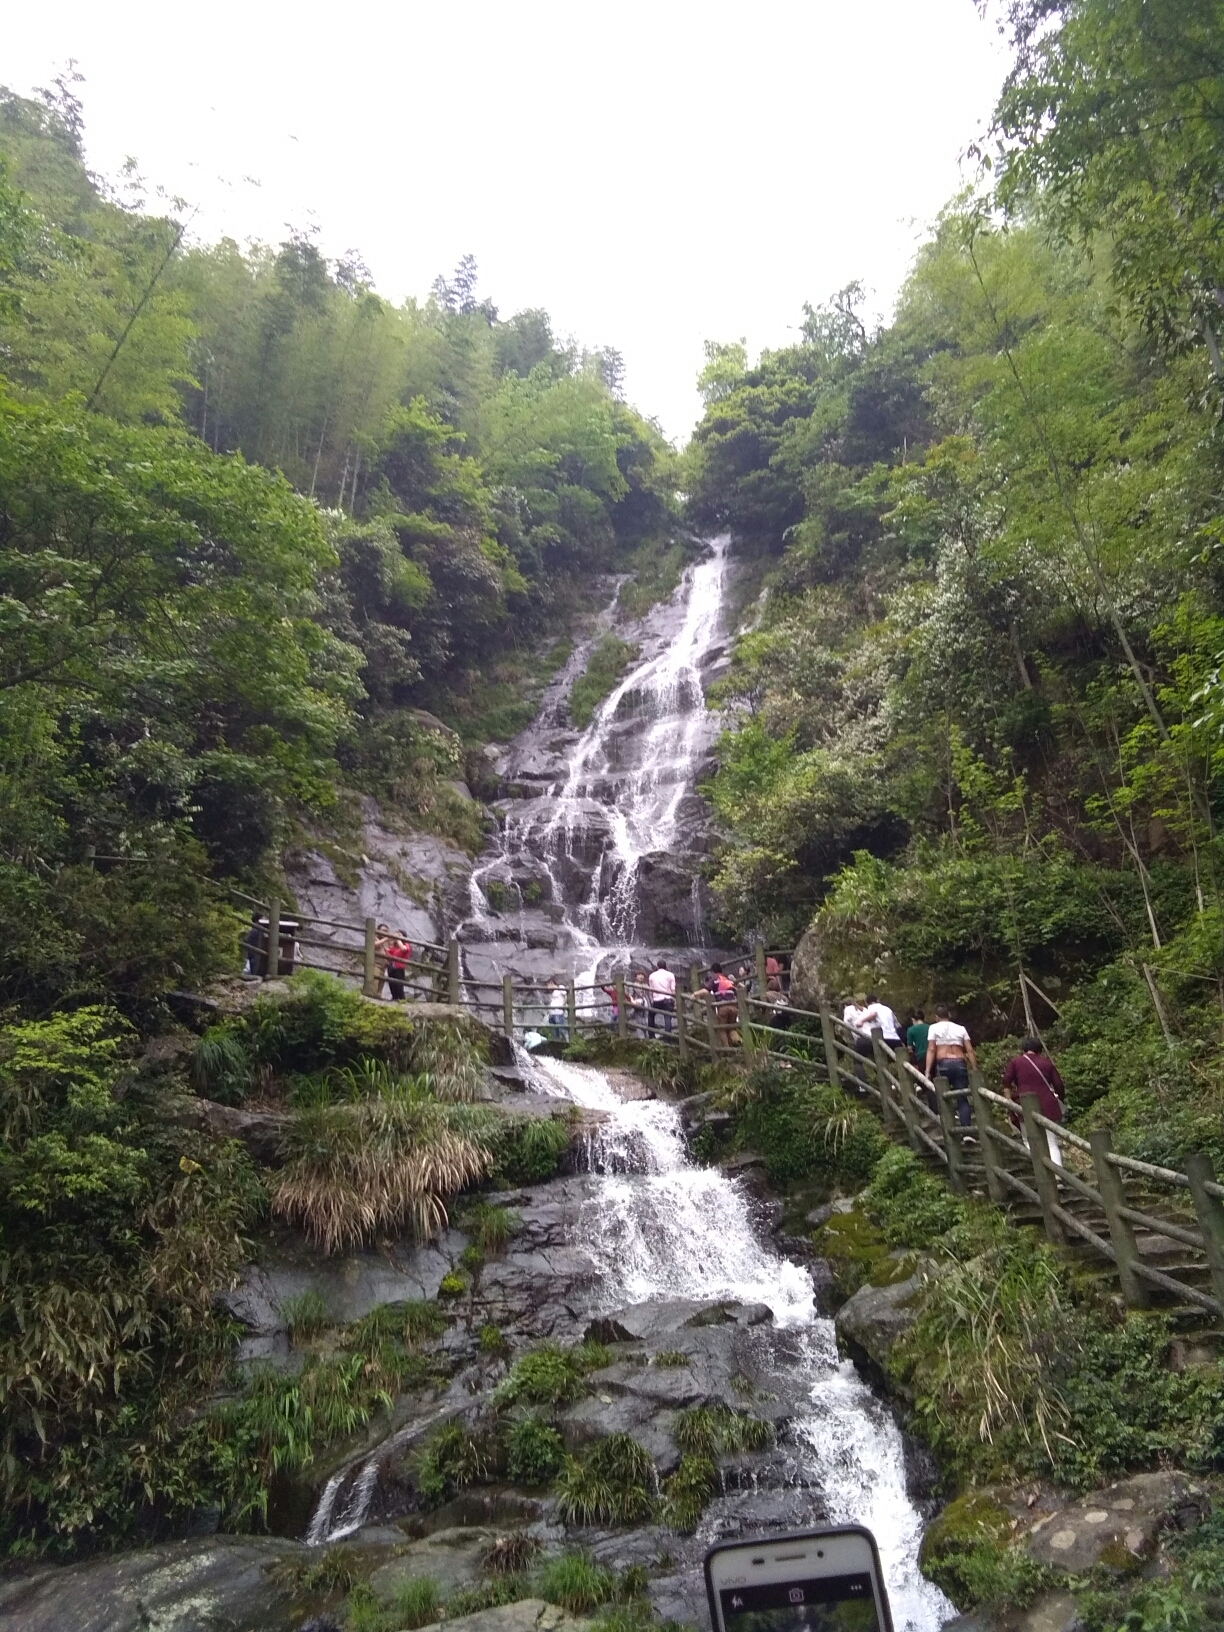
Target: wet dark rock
(663, 897)
(870, 1322)
(923, 1480)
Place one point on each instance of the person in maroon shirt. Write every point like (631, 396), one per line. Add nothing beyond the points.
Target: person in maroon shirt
(1032, 1071)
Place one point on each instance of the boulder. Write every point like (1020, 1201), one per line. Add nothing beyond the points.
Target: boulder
(450, 1558)
(185, 1586)
(1117, 1526)
(528, 1615)
(807, 982)
(663, 892)
(870, 1322)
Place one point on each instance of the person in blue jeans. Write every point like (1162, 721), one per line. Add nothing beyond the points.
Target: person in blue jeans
(950, 1053)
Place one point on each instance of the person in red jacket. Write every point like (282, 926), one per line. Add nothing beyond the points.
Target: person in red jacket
(1032, 1071)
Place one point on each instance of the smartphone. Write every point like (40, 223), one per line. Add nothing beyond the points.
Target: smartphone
(820, 1581)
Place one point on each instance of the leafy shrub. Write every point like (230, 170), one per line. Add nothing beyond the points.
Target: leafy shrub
(221, 1069)
(613, 1484)
(492, 1340)
(806, 1130)
(452, 1285)
(530, 1151)
(305, 1315)
(453, 1459)
(687, 1492)
(534, 1452)
(608, 660)
(911, 1206)
(472, 1259)
(576, 1582)
(416, 1602)
(551, 1375)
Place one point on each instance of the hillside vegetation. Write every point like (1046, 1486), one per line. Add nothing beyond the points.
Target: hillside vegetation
(977, 723)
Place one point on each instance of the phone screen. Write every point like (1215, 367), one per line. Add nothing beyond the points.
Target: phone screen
(819, 1581)
(825, 1603)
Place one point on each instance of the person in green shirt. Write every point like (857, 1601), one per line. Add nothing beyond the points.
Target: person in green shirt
(916, 1039)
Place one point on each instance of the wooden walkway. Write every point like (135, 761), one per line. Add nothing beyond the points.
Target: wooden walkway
(1161, 1231)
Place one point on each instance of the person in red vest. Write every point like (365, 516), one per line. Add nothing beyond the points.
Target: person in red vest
(1032, 1071)
(397, 951)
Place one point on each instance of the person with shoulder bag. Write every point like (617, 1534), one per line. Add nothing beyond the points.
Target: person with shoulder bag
(1032, 1071)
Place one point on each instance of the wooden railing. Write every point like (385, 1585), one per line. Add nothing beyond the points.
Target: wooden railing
(1162, 1230)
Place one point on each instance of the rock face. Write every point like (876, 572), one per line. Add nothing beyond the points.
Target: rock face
(873, 1319)
(187, 1586)
(807, 974)
(1118, 1526)
(671, 901)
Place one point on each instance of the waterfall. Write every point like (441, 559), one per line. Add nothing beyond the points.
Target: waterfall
(659, 1227)
(589, 807)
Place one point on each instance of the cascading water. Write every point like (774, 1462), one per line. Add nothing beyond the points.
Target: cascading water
(563, 888)
(659, 1227)
(590, 811)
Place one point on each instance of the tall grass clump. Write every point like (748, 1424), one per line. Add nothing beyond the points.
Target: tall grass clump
(383, 1164)
(576, 1582)
(613, 1484)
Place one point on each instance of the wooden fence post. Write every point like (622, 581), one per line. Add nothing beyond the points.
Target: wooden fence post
(571, 1007)
(1113, 1197)
(508, 1005)
(453, 994)
(760, 970)
(952, 1145)
(681, 1023)
(372, 983)
(909, 1114)
(694, 977)
(1047, 1186)
(745, 1020)
(1210, 1212)
(622, 1017)
(995, 1187)
(830, 1047)
(882, 1059)
(272, 966)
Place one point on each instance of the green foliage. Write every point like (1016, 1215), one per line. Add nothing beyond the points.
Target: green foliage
(672, 1357)
(452, 1459)
(609, 659)
(806, 1130)
(305, 1316)
(612, 1484)
(551, 1375)
(529, 1151)
(1188, 1598)
(688, 1491)
(709, 1431)
(416, 1602)
(967, 1551)
(910, 1205)
(576, 1582)
(492, 1340)
(534, 1452)
(452, 1284)
(492, 1228)
(220, 1066)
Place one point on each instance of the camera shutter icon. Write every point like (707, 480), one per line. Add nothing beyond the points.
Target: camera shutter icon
(796, 1595)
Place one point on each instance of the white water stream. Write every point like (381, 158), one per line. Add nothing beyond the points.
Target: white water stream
(662, 1228)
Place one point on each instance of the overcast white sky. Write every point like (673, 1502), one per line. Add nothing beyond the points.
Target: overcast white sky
(654, 174)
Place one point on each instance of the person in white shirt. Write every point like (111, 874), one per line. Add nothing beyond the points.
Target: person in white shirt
(879, 1014)
(558, 1011)
(950, 1052)
(661, 985)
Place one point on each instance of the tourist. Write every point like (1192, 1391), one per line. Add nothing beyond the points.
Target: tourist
(950, 1052)
(252, 947)
(610, 993)
(879, 1014)
(916, 1038)
(558, 1011)
(853, 1018)
(396, 951)
(1032, 1071)
(635, 996)
(662, 990)
(773, 974)
(726, 1011)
